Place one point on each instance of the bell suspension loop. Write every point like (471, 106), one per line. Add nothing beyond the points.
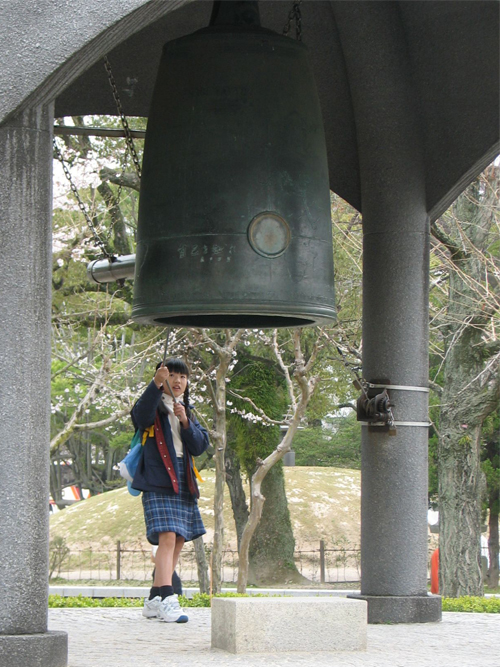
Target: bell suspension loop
(295, 14)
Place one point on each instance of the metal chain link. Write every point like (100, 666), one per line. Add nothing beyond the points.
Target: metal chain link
(128, 136)
(295, 13)
(81, 205)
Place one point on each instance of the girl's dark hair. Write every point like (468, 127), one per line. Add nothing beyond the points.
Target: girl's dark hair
(176, 365)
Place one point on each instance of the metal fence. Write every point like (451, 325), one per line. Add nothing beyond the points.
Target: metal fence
(134, 563)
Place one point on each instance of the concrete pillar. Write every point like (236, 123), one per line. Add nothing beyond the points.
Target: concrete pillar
(395, 311)
(25, 278)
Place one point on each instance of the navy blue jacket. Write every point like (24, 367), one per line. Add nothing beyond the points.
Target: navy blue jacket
(151, 474)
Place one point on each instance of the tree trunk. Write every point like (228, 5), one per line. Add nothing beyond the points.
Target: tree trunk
(493, 548)
(491, 468)
(271, 555)
(466, 400)
(306, 386)
(236, 492)
(121, 242)
(220, 470)
(263, 468)
(55, 483)
(202, 565)
(459, 461)
(218, 545)
(459, 510)
(224, 356)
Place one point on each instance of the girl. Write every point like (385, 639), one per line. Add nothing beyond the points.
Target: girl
(167, 478)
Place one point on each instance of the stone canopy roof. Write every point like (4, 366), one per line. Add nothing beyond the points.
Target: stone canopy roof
(449, 59)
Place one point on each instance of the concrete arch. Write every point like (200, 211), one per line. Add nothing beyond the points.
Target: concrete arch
(46, 48)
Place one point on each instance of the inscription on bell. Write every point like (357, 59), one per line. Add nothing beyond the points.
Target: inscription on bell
(206, 253)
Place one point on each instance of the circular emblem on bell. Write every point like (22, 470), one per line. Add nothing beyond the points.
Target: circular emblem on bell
(269, 234)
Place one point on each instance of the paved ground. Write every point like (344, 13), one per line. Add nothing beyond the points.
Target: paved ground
(118, 637)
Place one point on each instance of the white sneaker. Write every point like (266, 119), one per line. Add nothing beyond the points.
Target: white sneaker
(171, 611)
(151, 608)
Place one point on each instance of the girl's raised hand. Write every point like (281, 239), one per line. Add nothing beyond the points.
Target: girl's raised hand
(160, 376)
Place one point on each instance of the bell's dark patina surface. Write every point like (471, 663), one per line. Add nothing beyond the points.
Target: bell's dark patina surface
(234, 220)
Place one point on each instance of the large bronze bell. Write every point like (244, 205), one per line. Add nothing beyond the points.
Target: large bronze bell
(234, 218)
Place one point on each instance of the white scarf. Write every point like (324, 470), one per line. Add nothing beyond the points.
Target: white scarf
(175, 424)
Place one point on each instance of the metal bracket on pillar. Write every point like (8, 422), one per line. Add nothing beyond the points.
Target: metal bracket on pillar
(374, 405)
(400, 387)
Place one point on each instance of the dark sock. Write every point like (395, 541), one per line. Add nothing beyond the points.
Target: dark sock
(166, 591)
(176, 583)
(155, 590)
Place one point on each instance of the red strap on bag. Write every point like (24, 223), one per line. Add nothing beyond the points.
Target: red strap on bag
(165, 454)
(169, 466)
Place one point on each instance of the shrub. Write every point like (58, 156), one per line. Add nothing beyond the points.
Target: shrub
(472, 604)
(198, 600)
(463, 604)
(338, 447)
(81, 601)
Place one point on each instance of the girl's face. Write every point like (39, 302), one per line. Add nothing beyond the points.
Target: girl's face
(178, 383)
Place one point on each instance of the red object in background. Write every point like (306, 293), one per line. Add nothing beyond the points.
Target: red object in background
(435, 572)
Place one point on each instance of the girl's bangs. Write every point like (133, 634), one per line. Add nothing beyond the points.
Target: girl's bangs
(177, 366)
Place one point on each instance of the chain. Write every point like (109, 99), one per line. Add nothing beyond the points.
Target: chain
(128, 136)
(296, 14)
(99, 242)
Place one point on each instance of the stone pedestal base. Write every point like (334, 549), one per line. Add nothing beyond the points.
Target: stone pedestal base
(272, 625)
(401, 609)
(48, 649)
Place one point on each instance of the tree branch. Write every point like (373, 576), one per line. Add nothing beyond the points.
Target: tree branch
(436, 388)
(104, 422)
(127, 180)
(69, 427)
(285, 370)
(257, 409)
(489, 350)
(440, 235)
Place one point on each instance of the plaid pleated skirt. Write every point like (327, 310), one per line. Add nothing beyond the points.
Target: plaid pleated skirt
(176, 513)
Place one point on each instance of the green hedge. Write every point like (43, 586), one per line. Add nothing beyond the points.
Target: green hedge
(81, 601)
(472, 604)
(198, 600)
(463, 604)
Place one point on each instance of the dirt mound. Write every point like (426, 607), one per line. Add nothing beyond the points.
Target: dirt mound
(324, 504)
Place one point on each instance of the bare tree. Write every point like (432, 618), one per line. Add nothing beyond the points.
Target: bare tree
(96, 379)
(223, 350)
(301, 383)
(467, 322)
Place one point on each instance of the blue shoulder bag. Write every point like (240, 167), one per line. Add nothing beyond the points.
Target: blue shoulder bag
(129, 464)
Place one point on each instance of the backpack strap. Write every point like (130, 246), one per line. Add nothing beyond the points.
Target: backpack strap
(148, 433)
(196, 471)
